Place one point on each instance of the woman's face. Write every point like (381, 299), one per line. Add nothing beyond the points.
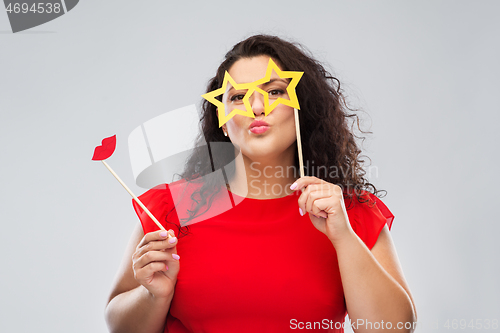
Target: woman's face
(265, 144)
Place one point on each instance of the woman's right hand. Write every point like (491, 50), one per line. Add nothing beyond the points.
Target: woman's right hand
(156, 263)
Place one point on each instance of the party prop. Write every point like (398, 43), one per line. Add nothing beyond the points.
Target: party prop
(254, 87)
(299, 145)
(294, 76)
(104, 151)
(220, 105)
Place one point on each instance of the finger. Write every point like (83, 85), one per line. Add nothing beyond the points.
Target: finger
(149, 270)
(172, 261)
(169, 258)
(303, 198)
(324, 206)
(317, 193)
(344, 210)
(303, 182)
(307, 197)
(163, 244)
(153, 236)
(152, 256)
(160, 245)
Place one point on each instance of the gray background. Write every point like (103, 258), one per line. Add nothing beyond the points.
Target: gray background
(426, 72)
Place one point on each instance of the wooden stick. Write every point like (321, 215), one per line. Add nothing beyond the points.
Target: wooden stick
(135, 198)
(299, 145)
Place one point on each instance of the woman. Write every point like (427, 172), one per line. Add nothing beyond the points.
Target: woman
(286, 256)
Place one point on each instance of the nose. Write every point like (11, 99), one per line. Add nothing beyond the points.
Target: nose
(257, 103)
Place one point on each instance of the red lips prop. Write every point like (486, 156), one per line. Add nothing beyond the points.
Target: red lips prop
(106, 149)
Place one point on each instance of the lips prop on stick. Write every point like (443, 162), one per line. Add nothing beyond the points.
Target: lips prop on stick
(104, 151)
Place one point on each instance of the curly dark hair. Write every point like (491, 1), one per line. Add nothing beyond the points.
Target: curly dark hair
(326, 124)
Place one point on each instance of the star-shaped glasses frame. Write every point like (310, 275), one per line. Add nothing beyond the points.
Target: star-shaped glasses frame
(254, 87)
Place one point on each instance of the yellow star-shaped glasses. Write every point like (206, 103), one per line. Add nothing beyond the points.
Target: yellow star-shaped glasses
(294, 76)
(253, 86)
(220, 105)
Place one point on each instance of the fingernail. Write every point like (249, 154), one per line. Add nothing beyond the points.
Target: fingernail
(164, 234)
(175, 256)
(315, 215)
(301, 212)
(172, 240)
(293, 186)
(166, 267)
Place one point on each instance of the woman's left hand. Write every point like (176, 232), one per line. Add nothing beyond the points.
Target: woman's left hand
(325, 204)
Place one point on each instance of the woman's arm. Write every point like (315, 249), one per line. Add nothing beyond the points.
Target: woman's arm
(144, 287)
(374, 286)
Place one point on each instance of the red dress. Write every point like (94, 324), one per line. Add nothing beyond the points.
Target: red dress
(258, 266)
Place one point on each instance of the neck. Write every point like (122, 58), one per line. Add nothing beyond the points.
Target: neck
(264, 178)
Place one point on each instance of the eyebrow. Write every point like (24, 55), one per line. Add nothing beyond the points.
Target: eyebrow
(274, 80)
(267, 83)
